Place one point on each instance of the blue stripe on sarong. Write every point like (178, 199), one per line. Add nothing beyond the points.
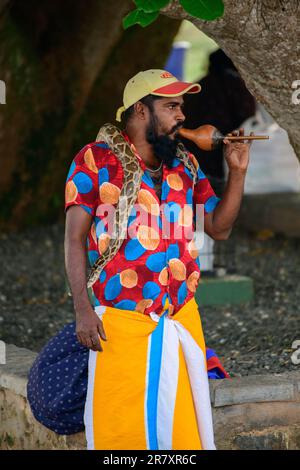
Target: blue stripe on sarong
(153, 382)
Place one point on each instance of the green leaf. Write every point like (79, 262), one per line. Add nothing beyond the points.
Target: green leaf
(150, 6)
(204, 9)
(139, 17)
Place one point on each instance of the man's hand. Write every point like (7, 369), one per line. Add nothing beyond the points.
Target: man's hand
(88, 324)
(219, 224)
(236, 153)
(88, 328)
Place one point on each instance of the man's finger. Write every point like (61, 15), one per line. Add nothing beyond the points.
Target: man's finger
(81, 340)
(97, 349)
(101, 330)
(250, 141)
(226, 141)
(238, 133)
(88, 342)
(96, 345)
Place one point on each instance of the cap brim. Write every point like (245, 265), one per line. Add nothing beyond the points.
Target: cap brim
(177, 89)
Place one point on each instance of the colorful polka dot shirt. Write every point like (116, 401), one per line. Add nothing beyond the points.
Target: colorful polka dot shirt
(158, 260)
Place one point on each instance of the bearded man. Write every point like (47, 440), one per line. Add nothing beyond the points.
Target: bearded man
(148, 363)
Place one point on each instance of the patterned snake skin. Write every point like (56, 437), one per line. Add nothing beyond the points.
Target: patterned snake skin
(133, 174)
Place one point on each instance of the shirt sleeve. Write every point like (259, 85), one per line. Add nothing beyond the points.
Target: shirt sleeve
(82, 182)
(204, 193)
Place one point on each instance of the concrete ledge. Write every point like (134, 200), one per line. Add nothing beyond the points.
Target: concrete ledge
(253, 412)
(13, 375)
(255, 389)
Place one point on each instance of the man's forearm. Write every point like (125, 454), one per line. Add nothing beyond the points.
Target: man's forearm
(228, 208)
(75, 262)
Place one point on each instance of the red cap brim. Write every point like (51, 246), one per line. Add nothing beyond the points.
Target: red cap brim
(177, 89)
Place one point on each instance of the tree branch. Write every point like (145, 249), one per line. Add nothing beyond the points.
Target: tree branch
(262, 38)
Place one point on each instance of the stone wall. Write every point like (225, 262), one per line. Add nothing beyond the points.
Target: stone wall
(254, 412)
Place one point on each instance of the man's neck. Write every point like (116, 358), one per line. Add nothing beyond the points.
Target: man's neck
(143, 148)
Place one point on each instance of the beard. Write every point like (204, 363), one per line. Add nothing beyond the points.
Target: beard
(164, 147)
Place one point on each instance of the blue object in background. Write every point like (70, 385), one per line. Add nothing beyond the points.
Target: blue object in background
(175, 61)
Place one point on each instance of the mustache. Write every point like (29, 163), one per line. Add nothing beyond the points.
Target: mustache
(176, 128)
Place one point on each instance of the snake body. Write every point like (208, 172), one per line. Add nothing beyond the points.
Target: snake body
(132, 178)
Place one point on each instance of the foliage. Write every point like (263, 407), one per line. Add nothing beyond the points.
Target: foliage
(148, 10)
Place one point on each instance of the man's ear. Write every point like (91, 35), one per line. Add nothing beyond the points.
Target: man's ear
(139, 109)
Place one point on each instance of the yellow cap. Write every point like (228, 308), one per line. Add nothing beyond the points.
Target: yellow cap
(153, 82)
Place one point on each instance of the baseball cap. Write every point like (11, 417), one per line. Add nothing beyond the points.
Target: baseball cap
(153, 82)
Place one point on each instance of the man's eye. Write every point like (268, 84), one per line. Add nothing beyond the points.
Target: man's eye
(173, 106)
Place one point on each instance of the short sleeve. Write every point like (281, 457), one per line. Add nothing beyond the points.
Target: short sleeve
(82, 182)
(204, 193)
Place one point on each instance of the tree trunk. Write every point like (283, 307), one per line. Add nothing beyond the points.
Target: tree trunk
(262, 37)
(65, 65)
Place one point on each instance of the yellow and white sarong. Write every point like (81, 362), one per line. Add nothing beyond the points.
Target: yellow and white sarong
(148, 388)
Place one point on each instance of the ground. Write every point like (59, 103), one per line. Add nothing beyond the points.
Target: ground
(253, 338)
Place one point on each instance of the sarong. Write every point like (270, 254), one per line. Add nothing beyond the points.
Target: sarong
(58, 378)
(148, 388)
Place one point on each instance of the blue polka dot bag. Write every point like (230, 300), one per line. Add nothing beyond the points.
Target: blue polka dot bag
(57, 383)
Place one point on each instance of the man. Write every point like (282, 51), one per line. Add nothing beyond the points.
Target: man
(151, 126)
(135, 280)
(148, 383)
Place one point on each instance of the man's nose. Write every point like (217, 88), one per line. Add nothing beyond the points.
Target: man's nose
(180, 116)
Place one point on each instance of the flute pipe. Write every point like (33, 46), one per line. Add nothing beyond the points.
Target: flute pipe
(247, 137)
